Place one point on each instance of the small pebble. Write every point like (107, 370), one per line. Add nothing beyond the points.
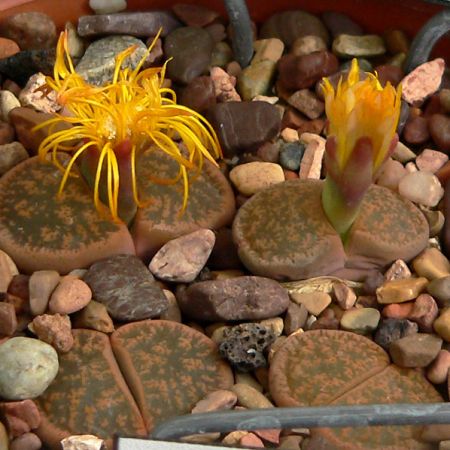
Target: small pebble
(41, 285)
(440, 290)
(390, 174)
(415, 350)
(215, 401)
(8, 319)
(8, 101)
(439, 127)
(95, 317)
(431, 264)
(252, 177)
(10, 155)
(305, 45)
(416, 131)
(250, 397)
(20, 417)
(251, 440)
(295, 318)
(348, 46)
(224, 86)
(27, 441)
(107, 6)
(291, 155)
(54, 329)
(421, 187)
(69, 296)
(34, 96)
(403, 153)
(247, 378)
(314, 302)
(311, 163)
(7, 271)
(82, 442)
(398, 310)
(437, 373)
(194, 15)
(362, 321)
(289, 135)
(172, 312)
(233, 438)
(398, 271)
(431, 160)
(4, 438)
(390, 330)
(442, 324)
(424, 312)
(7, 133)
(398, 291)
(307, 103)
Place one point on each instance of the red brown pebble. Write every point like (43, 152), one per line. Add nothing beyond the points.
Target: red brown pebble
(416, 130)
(8, 319)
(8, 47)
(21, 417)
(424, 312)
(251, 440)
(438, 371)
(398, 310)
(54, 329)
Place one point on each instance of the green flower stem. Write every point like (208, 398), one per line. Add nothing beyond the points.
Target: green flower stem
(339, 210)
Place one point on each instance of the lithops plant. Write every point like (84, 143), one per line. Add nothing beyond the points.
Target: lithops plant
(343, 226)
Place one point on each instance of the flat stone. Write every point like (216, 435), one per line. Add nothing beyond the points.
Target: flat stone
(27, 367)
(421, 187)
(70, 295)
(244, 126)
(423, 81)
(415, 350)
(349, 46)
(40, 230)
(314, 302)
(295, 318)
(431, 264)
(362, 321)
(41, 285)
(10, 155)
(96, 382)
(182, 259)
(139, 24)
(191, 49)
(344, 295)
(98, 62)
(240, 298)
(126, 287)
(255, 176)
(30, 30)
(442, 324)
(95, 317)
(390, 330)
(250, 398)
(398, 291)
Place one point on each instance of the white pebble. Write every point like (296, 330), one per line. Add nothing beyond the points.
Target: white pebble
(421, 187)
(8, 101)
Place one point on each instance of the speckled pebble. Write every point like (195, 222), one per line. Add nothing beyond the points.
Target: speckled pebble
(69, 296)
(421, 187)
(431, 160)
(27, 367)
(54, 329)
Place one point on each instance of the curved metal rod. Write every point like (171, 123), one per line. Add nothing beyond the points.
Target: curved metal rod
(242, 30)
(305, 417)
(426, 38)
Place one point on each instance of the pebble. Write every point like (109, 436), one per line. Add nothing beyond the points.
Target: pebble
(435, 433)
(247, 378)
(436, 221)
(398, 270)
(390, 330)
(191, 49)
(295, 318)
(398, 310)
(233, 438)
(339, 23)
(138, 24)
(54, 329)
(291, 442)
(344, 295)
(95, 317)
(4, 439)
(181, 259)
(126, 287)
(253, 177)
(194, 15)
(307, 103)
(173, 312)
(424, 312)
(415, 350)
(243, 126)
(27, 367)
(20, 417)
(30, 30)
(82, 442)
(8, 47)
(416, 131)
(7, 133)
(27, 441)
(41, 285)
(388, 73)
(239, 298)
(439, 289)
(69, 296)
(403, 153)
(439, 127)
(442, 324)
(7, 271)
(311, 163)
(215, 401)
(396, 41)
(421, 187)
(268, 49)
(224, 86)
(199, 94)
(289, 135)
(398, 291)
(256, 79)
(250, 398)
(362, 320)
(431, 160)
(300, 72)
(291, 155)
(431, 264)
(107, 6)
(8, 319)
(305, 45)
(314, 302)
(34, 96)
(251, 440)
(423, 81)
(390, 174)
(437, 373)
(8, 101)
(10, 155)
(75, 44)
(98, 62)
(349, 46)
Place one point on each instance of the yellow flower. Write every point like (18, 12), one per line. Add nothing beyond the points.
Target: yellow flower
(361, 108)
(122, 118)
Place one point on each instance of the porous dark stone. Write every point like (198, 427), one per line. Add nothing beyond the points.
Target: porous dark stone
(339, 23)
(126, 287)
(239, 298)
(21, 66)
(199, 94)
(191, 49)
(244, 126)
(290, 25)
(389, 330)
(439, 127)
(244, 346)
(299, 72)
(139, 24)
